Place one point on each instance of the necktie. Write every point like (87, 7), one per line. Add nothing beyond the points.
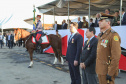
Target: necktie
(88, 41)
(70, 37)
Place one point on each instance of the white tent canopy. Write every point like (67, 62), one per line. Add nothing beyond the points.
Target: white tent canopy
(15, 23)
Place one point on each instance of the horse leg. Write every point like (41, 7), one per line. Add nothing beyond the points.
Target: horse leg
(55, 60)
(56, 56)
(60, 56)
(31, 57)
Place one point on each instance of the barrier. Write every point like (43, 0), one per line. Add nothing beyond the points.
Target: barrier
(65, 33)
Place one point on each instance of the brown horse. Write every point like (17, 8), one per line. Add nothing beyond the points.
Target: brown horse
(54, 41)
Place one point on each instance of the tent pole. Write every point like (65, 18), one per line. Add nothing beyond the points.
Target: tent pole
(68, 14)
(120, 12)
(54, 14)
(43, 21)
(120, 16)
(89, 14)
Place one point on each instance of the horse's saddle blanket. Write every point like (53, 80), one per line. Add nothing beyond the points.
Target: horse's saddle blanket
(45, 40)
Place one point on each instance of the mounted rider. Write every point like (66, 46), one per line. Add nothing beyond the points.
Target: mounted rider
(39, 32)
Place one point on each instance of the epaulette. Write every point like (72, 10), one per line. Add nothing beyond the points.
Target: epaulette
(113, 31)
(99, 34)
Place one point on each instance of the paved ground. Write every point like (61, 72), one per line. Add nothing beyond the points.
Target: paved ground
(14, 63)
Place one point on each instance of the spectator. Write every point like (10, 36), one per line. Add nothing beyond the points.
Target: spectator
(91, 23)
(1, 39)
(97, 20)
(9, 41)
(12, 40)
(107, 11)
(116, 19)
(56, 26)
(64, 25)
(79, 23)
(123, 17)
(6, 39)
(85, 23)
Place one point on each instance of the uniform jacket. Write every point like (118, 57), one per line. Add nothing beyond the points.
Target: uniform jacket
(108, 45)
(74, 48)
(85, 24)
(88, 55)
(39, 25)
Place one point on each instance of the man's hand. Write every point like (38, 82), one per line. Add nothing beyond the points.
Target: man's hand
(75, 63)
(108, 77)
(81, 65)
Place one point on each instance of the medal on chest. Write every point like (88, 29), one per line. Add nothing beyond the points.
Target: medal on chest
(88, 48)
(104, 43)
(72, 40)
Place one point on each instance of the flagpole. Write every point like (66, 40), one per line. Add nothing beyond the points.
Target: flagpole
(34, 25)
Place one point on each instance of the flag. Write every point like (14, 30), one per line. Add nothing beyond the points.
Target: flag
(34, 25)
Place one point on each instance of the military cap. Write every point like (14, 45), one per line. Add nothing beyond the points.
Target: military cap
(39, 16)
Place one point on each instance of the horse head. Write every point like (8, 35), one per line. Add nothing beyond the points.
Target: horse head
(21, 33)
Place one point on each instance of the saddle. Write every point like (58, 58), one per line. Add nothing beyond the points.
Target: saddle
(42, 40)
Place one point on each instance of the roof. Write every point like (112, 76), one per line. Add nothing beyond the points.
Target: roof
(80, 7)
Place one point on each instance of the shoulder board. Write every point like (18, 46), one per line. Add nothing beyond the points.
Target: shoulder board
(113, 31)
(99, 34)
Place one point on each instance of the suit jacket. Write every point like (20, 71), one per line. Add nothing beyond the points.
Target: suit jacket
(74, 48)
(80, 24)
(6, 37)
(124, 19)
(92, 25)
(89, 56)
(64, 26)
(57, 28)
(115, 21)
(96, 23)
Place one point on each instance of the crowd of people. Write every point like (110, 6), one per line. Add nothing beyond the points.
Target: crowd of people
(8, 40)
(114, 22)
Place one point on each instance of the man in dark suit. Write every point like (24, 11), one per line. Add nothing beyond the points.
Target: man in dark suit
(88, 58)
(123, 17)
(9, 40)
(74, 49)
(56, 26)
(97, 20)
(91, 23)
(79, 23)
(64, 25)
(6, 39)
(12, 40)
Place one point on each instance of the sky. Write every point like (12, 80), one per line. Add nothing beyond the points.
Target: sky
(19, 8)
(23, 9)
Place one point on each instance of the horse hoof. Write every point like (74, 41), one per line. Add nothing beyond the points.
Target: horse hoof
(29, 66)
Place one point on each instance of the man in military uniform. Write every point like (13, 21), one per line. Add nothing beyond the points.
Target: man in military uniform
(39, 32)
(108, 53)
